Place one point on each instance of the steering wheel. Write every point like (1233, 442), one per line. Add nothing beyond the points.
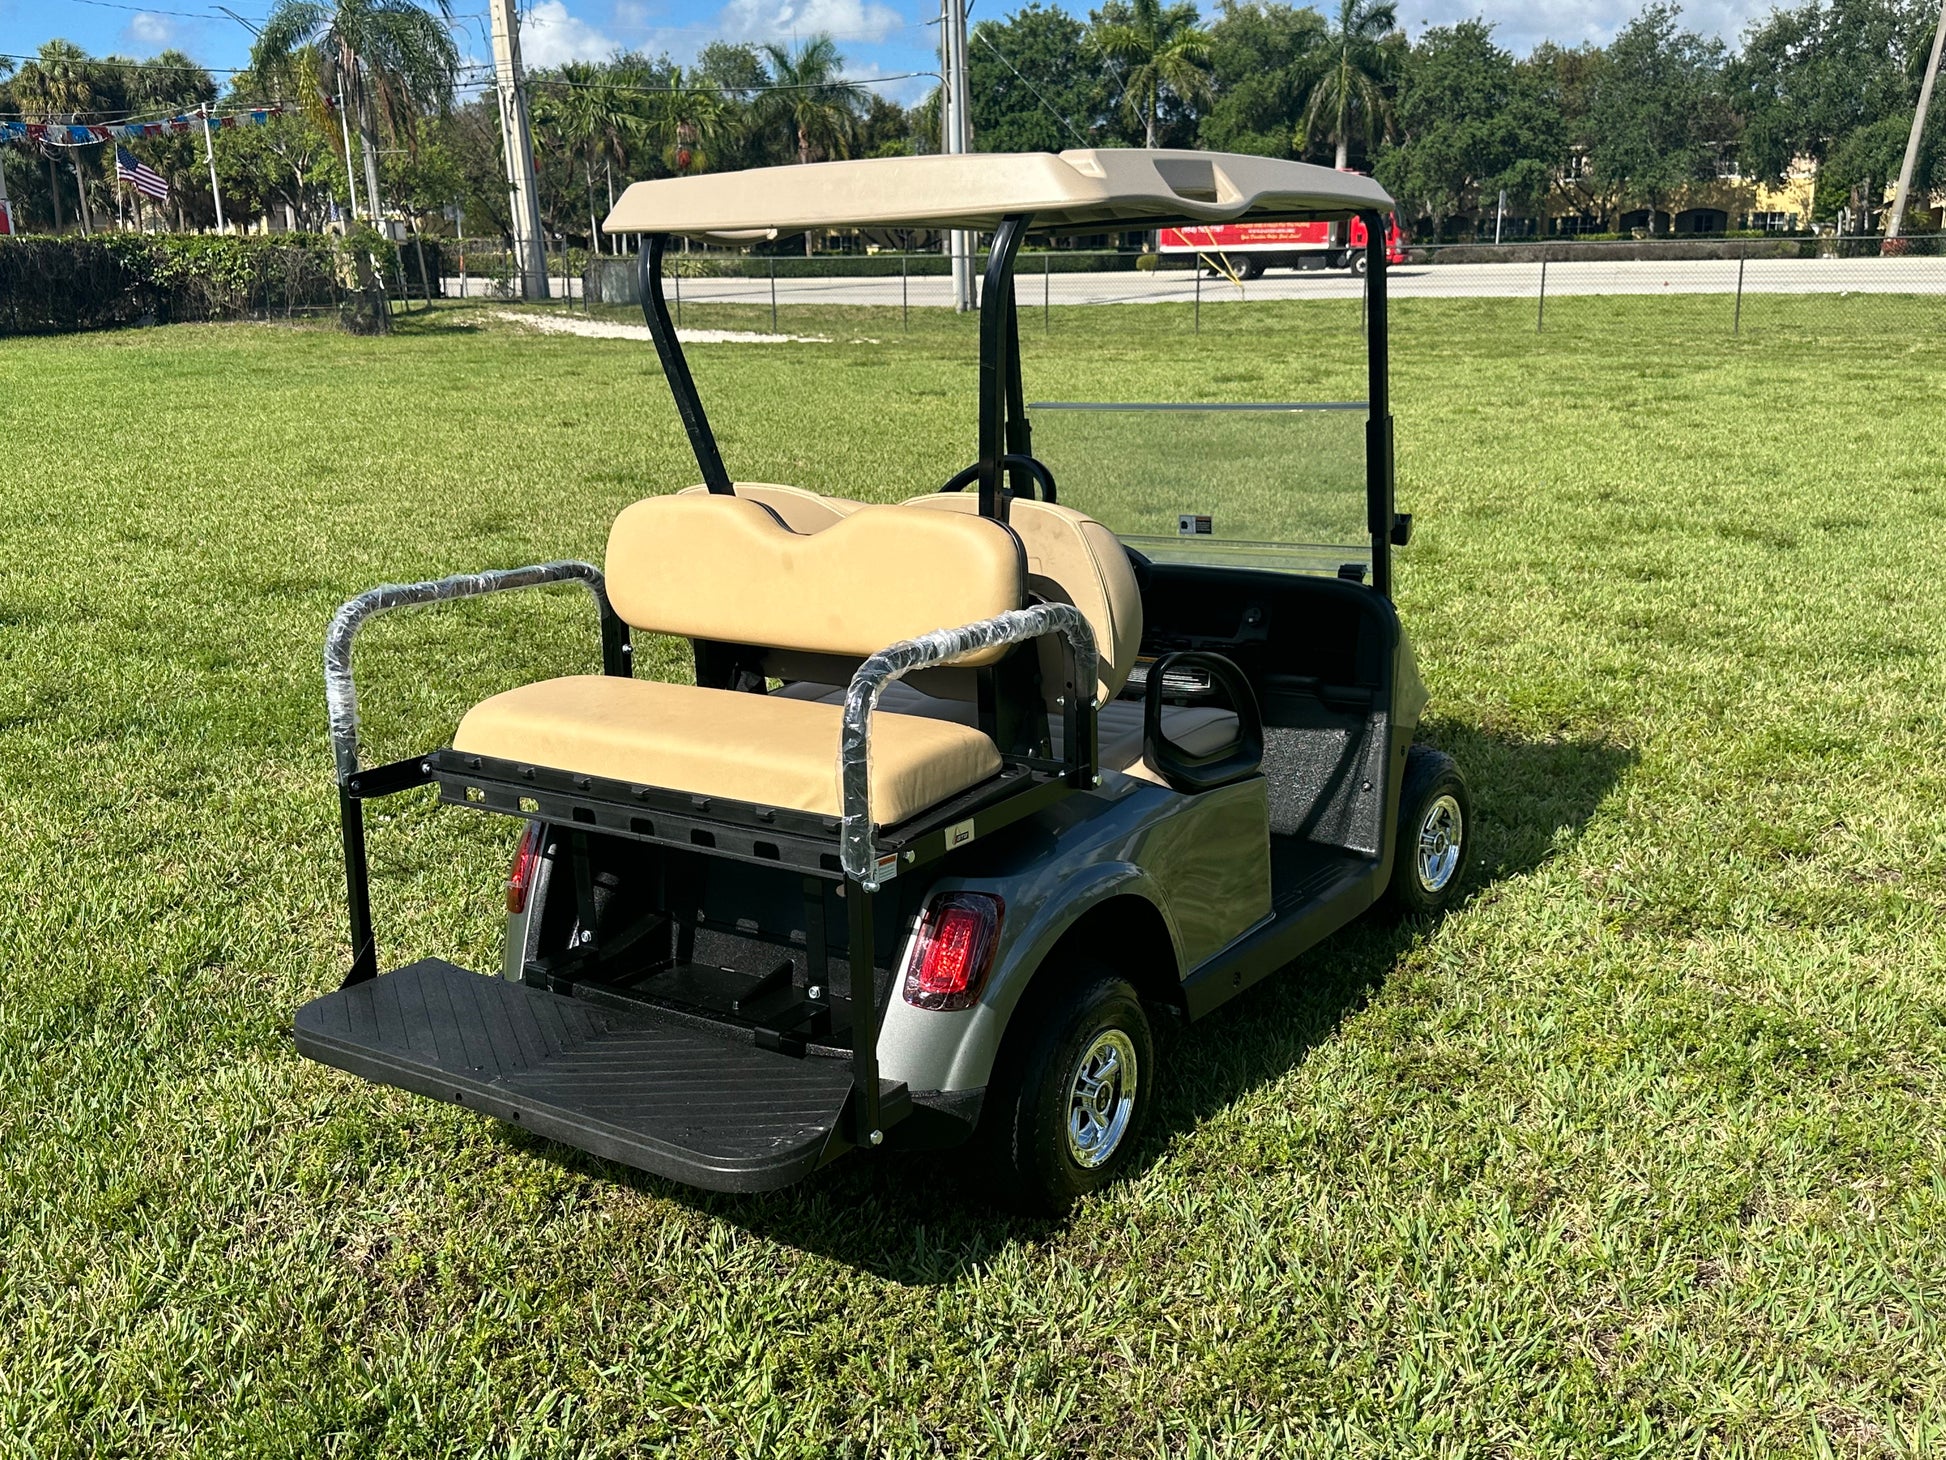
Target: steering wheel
(960, 481)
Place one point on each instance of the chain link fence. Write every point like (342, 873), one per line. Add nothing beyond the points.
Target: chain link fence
(1738, 286)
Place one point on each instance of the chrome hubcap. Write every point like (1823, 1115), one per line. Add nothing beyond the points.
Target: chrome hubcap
(1441, 835)
(1101, 1097)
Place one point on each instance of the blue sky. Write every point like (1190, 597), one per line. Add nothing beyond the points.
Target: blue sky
(881, 37)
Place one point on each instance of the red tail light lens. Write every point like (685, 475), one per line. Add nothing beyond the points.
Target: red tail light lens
(953, 953)
(527, 860)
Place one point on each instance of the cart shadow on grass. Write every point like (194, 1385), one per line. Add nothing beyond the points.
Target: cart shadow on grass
(919, 1219)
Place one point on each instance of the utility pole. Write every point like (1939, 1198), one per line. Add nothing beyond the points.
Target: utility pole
(959, 138)
(344, 127)
(81, 191)
(1918, 127)
(523, 202)
(209, 153)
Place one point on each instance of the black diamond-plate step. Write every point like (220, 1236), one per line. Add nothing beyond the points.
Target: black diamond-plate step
(652, 1093)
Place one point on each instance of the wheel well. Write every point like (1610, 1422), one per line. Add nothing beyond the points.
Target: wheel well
(1127, 933)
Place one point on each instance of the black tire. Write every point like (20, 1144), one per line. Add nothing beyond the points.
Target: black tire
(1433, 800)
(1357, 262)
(1248, 269)
(1031, 1152)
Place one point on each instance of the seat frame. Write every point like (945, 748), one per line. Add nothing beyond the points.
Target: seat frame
(850, 848)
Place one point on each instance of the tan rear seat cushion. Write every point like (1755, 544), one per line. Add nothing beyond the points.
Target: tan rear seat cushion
(764, 749)
(1071, 558)
(722, 568)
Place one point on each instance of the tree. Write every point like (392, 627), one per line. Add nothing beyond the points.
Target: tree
(1157, 53)
(1468, 127)
(1657, 119)
(1260, 55)
(1349, 77)
(1031, 87)
(62, 83)
(811, 99)
(590, 117)
(1560, 82)
(393, 60)
(1832, 81)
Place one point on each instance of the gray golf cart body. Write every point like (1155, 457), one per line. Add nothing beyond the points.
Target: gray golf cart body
(722, 993)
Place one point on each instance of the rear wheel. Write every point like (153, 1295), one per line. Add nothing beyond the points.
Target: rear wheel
(1358, 262)
(1064, 1113)
(1435, 834)
(1250, 269)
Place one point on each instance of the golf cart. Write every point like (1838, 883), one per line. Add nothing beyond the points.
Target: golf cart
(969, 791)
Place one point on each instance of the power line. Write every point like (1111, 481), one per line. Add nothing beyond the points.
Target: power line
(1048, 105)
(153, 10)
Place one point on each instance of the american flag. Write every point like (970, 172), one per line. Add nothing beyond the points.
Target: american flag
(139, 175)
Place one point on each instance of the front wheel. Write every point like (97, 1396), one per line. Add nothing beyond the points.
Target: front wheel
(1435, 834)
(1358, 263)
(1063, 1118)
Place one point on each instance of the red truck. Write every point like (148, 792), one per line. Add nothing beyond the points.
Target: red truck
(1250, 248)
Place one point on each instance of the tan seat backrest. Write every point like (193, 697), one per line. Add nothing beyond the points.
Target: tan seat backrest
(723, 568)
(1071, 558)
(802, 511)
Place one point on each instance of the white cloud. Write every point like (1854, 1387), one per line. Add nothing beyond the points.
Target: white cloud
(549, 35)
(1520, 25)
(845, 20)
(145, 28)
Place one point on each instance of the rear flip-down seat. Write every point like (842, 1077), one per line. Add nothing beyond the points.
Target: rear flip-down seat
(769, 750)
(725, 569)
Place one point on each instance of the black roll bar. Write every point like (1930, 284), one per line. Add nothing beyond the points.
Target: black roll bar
(1380, 516)
(675, 368)
(999, 359)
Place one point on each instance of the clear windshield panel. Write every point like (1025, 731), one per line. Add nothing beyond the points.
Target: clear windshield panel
(1272, 486)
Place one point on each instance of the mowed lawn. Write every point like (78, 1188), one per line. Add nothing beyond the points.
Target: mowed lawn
(1641, 1152)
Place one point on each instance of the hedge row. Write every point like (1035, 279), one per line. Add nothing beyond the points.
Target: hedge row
(53, 285)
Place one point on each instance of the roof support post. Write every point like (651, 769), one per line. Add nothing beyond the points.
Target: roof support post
(655, 308)
(999, 358)
(1378, 398)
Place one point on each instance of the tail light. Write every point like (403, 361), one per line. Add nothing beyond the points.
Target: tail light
(527, 861)
(954, 951)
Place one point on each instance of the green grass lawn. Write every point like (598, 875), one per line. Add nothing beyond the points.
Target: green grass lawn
(1641, 1152)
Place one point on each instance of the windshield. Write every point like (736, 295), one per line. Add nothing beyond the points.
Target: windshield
(1275, 486)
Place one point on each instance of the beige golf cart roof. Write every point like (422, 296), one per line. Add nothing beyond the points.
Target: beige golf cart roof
(1094, 187)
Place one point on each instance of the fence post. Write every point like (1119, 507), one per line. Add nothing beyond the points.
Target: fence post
(1197, 269)
(1047, 292)
(1736, 320)
(1540, 312)
(905, 308)
(773, 294)
(676, 274)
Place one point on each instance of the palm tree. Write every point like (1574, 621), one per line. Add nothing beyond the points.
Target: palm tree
(61, 82)
(590, 115)
(810, 97)
(1157, 50)
(392, 59)
(690, 118)
(1348, 79)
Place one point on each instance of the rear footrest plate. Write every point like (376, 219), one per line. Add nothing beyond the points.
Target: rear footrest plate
(702, 1108)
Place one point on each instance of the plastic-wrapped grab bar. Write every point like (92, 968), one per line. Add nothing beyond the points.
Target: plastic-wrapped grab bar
(858, 851)
(341, 695)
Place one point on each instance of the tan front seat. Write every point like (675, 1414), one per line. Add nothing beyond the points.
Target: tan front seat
(1071, 558)
(800, 510)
